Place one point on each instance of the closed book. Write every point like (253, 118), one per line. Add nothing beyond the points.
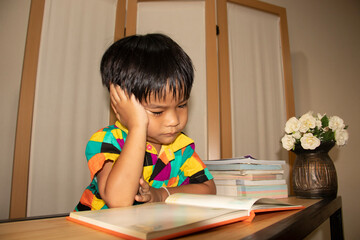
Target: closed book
(269, 194)
(249, 182)
(247, 172)
(270, 191)
(244, 166)
(254, 177)
(246, 160)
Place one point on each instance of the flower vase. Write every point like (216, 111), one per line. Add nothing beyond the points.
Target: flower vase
(314, 173)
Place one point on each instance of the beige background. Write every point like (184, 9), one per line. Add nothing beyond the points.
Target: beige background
(13, 27)
(325, 53)
(324, 42)
(156, 17)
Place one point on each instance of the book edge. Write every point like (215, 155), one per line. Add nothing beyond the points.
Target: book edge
(166, 236)
(102, 229)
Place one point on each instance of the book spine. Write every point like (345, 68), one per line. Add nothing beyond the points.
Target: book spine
(253, 177)
(248, 182)
(244, 167)
(247, 172)
(256, 194)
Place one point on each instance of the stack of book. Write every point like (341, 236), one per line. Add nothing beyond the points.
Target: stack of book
(248, 177)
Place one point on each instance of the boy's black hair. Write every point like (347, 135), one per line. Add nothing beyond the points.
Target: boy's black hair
(146, 64)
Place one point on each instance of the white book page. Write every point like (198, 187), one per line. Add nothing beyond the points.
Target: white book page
(212, 201)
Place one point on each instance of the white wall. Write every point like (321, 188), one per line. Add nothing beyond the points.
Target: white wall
(325, 51)
(13, 27)
(70, 101)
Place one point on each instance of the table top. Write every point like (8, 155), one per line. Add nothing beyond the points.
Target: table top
(294, 224)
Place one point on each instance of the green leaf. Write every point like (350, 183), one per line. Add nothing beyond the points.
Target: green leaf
(317, 131)
(328, 136)
(325, 121)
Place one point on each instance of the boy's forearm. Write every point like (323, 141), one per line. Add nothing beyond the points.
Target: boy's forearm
(123, 181)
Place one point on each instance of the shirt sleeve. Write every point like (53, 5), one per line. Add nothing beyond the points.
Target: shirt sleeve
(101, 147)
(193, 167)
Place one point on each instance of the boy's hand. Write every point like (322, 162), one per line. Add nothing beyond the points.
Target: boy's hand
(148, 193)
(128, 110)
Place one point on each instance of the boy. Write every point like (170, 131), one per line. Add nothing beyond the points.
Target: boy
(144, 157)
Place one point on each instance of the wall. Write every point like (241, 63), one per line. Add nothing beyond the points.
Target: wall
(325, 51)
(13, 27)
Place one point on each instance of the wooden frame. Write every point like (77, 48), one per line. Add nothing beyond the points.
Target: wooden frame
(224, 83)
(19, 186)
(118, 34)
(20, 176)
(213, 104)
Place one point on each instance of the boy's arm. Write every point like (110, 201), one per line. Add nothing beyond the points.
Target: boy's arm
(119, 182)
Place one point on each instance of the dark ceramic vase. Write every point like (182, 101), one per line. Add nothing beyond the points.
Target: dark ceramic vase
(314, 173)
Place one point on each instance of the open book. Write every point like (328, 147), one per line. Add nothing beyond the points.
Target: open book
(181, 214)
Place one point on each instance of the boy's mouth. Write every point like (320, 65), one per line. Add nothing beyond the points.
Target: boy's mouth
(171, 134)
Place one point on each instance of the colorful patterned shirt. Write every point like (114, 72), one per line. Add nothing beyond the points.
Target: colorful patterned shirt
(176, 164)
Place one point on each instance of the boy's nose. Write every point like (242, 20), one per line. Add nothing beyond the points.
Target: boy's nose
(173, 119)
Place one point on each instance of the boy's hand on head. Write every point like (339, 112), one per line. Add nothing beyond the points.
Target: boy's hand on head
(148, 193)
(128, 109)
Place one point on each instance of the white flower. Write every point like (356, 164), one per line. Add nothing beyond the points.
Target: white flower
(308, 132)
(288, 142)
(341, 137)
(320, 116)
(307, 121)
(336, 123)
(292, 125)
(309, 141)
(296, 135)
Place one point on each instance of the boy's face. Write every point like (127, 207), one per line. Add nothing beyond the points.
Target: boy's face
(167, 118)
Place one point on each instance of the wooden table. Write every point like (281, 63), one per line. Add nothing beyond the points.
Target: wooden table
(295, 224)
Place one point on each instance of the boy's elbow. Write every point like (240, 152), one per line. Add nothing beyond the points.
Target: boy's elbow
(115, 201)
(117, 204)
(211, 187)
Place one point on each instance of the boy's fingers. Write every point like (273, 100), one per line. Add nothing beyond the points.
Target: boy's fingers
(144, 185)
(112, 100)
(142, 198)
(113, 94)
(121, 93)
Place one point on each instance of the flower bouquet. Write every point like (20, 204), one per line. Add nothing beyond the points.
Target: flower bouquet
(311, 137)
(310, 131)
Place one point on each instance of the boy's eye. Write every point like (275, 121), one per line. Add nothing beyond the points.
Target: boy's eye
(157, 113)
(182, 105)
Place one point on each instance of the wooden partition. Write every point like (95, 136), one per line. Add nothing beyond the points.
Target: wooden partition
(19, 187)
(224, 69)
(213, 128)
(204, 123)
(24, 146)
